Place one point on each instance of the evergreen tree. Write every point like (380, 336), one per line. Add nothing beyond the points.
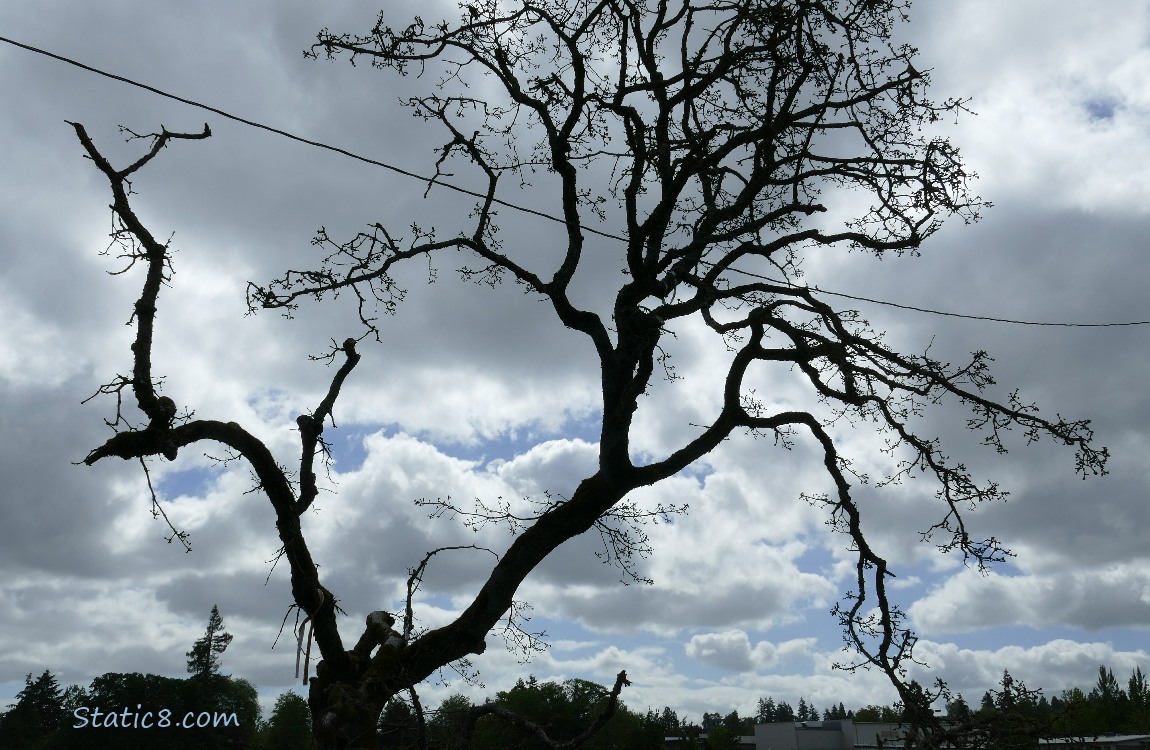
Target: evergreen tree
(649, 734)
(397, 724)
(74, 697)
(204, 658)
(1137, 691)
(720, 737)
(737, 725)
(957, 709)
(39, 709)
(915, 706)
(1111, 699)
(1107, 686)
(1076, 716)
(767, 712)
(229, 695)
(289, 727)
(1137, 719)
(672, 725)
(446, 726)
(803, 712)
(784, 712)
(1013, 722)
(44, 698)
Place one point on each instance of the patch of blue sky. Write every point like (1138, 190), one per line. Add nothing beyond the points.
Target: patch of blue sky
(270, 403)
(194, 482)
(816, 558)
(347, 447)
(816, 621)
(699, 470)
(10, 689)
(426, 599)
(1101, 108)
(508, 445)
(349, 452)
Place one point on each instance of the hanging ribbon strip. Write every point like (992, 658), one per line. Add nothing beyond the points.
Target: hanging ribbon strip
(299, 649)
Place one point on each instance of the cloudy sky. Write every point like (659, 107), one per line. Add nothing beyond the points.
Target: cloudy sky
(477, 393)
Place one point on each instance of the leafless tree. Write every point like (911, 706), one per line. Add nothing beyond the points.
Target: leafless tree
(712, 130)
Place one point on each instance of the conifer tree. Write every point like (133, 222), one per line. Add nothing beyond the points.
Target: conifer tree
(38, 710)
(204, 658)
(289, 727)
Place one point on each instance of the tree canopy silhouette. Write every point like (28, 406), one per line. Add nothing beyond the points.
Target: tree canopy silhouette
(716, 140)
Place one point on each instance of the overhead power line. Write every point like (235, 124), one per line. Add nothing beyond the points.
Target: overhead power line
(820, 290)
(982, 317)
(523, 209)
(284, 133)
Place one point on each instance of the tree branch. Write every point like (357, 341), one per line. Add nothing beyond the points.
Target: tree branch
(163, 437)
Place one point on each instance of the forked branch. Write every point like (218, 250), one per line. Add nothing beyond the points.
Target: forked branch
(163, 436)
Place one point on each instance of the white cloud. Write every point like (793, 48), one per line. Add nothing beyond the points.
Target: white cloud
(553, 466)
(1087, 599)
(731, 650)
(1053, 666)
(1039, 82)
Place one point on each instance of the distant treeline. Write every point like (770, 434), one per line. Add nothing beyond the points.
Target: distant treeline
(1010, 714)
(111, 714)
(146, 711)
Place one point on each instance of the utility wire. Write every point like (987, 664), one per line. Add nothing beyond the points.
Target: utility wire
(936, 312)
(291, 136)
(541, 214)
